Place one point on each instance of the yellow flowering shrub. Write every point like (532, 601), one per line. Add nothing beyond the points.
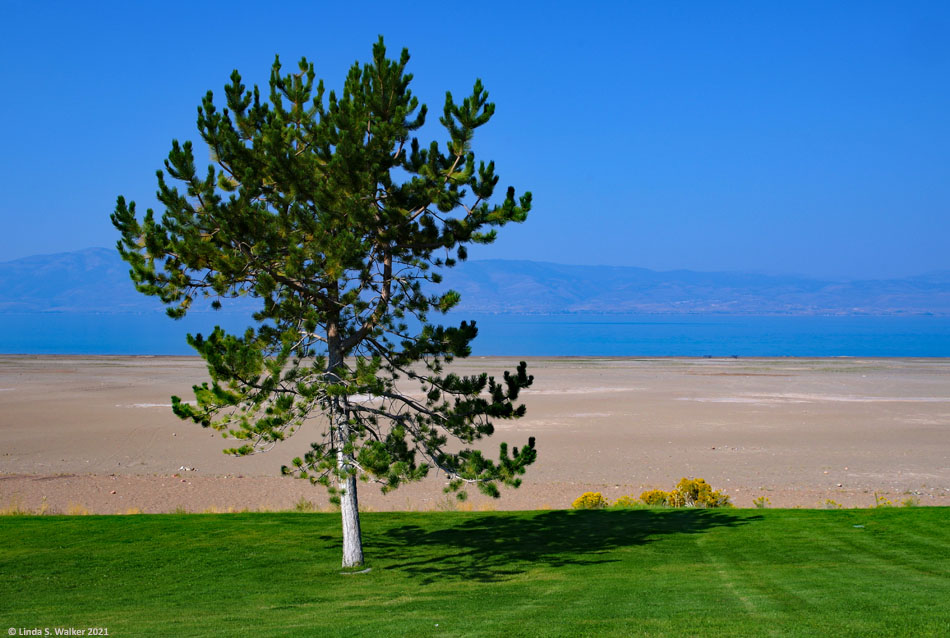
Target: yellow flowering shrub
(590, 501)
(655, 497)
(881, 501)
(697, 492)
(688, 493)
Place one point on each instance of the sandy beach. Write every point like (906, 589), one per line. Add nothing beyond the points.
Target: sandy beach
(97, 434)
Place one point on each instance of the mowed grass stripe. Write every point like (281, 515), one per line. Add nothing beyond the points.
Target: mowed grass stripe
(625, 572)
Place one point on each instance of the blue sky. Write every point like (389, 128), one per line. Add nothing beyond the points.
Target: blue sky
(809, 138)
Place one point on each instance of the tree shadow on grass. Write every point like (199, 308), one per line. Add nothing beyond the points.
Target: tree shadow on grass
(493, 547)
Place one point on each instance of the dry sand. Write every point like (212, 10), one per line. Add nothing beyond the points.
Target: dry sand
(97, 433)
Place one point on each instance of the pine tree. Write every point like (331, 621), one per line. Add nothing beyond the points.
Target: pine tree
(328, 210)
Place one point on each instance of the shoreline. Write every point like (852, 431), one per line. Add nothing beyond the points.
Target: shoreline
(536, 357)
(186, 492)
(797, 430)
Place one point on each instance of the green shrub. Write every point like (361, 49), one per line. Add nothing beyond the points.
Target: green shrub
(626, 502)
(761, 503)
(303, 505)
(590, 501)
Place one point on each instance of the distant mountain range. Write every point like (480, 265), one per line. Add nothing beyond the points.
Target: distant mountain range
(96, 280)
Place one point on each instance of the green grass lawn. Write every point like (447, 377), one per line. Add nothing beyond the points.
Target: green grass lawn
(881, 572)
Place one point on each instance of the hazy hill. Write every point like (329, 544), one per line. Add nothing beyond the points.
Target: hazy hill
(96, 280)
(90, 279)
(524, 286)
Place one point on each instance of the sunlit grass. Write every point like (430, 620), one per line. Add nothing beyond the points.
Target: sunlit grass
(880, 572)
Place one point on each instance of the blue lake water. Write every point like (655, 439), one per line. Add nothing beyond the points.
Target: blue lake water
(526, 335)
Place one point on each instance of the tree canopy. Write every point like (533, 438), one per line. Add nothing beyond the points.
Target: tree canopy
(329, 210)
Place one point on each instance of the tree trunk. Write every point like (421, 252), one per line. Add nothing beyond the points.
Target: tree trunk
(350, 511)
(349, 505)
